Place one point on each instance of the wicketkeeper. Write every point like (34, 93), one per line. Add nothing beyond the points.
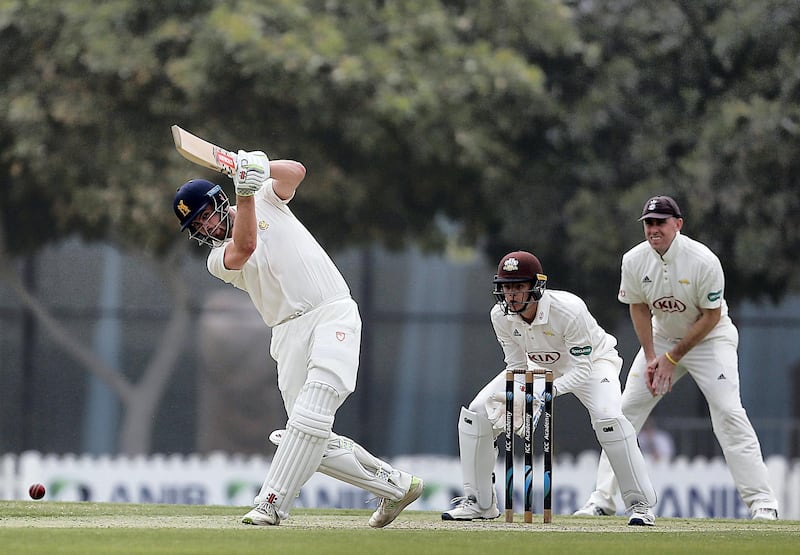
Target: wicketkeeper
(540, 328)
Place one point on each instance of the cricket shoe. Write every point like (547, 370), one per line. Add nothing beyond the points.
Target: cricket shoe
(765, 513)
(388, 510)
(467, 509)
(593, 509)
(263, 514)
(641, 515)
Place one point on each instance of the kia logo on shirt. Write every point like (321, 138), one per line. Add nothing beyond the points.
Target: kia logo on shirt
(669, 304)
(544, 358)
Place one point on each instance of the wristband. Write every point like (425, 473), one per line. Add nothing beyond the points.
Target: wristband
(669, 358)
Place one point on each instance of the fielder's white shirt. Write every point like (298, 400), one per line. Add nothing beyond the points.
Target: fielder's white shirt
(564, 337)
(676, 286)
(289, 273)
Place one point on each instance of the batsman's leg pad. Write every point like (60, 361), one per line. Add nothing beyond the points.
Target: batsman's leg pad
(346, 460)
(618, 438)
(478, 456)
(300, 452)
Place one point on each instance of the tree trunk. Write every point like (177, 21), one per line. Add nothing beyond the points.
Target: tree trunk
(140, 401)
(137, 425)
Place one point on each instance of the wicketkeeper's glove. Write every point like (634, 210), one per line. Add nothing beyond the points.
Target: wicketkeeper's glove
(496, 409)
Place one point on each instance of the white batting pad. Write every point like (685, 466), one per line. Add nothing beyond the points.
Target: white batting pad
(299, 454)
(346, 460)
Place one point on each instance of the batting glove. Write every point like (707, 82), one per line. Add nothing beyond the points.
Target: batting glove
(252, 171)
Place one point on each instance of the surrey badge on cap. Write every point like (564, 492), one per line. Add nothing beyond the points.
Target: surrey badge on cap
(661, 207)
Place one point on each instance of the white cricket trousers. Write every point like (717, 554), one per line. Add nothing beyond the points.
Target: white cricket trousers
(713, 364)
(322, 345)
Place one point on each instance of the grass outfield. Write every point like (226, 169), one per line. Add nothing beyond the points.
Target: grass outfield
(43, 527)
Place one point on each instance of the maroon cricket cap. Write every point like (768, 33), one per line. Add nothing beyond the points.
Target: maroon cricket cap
(661, 207)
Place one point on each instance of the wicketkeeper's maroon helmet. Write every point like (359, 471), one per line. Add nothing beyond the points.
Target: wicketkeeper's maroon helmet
(519, 267)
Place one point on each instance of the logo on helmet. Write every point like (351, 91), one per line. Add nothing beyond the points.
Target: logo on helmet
(182, 208)
(511, 265)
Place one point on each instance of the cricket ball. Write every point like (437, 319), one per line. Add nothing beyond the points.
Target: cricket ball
(36, 491)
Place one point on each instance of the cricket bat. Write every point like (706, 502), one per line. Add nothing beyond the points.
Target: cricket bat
(203, 153)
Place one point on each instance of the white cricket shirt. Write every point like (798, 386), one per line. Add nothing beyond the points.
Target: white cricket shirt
(564, 337)
(289, 273)
(676, 286)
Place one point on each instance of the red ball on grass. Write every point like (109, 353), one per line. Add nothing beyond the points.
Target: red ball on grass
(36, 491)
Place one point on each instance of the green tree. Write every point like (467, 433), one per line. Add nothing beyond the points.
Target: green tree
(80, 105)
(698, 100)
(403, 113)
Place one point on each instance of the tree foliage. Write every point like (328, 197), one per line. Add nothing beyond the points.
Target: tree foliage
(404, 112)
(700, 101)
(542, 125)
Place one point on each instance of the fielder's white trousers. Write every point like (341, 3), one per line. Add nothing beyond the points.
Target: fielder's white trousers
(713, 365)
